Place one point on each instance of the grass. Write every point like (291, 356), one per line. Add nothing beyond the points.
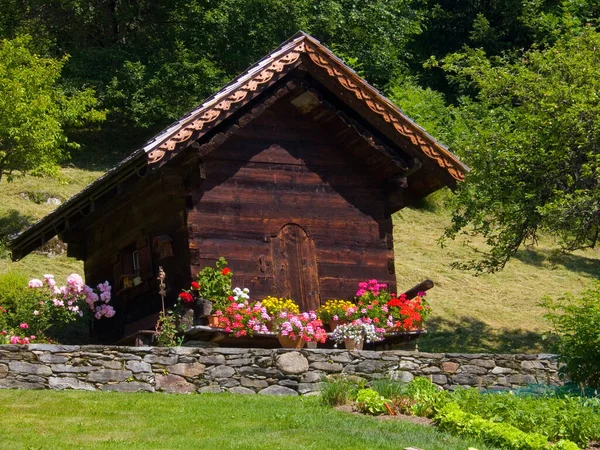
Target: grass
(69, 419)
(490, 312)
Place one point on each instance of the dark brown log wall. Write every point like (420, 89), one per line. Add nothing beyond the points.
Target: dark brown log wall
(151, 209)
(284, 169)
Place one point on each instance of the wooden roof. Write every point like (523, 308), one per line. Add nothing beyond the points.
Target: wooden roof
(301, 49)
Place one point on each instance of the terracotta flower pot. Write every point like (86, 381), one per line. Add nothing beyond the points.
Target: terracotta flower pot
(287, 342)
(333, 324)
(351, 344)
(213, 321)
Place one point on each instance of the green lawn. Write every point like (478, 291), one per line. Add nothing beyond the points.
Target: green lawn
(68, 420)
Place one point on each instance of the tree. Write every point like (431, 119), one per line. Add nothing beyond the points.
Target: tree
(34, 111)
(533, 144)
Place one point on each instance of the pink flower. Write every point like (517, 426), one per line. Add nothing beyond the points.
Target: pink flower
(24, 326)
(14, 339)
(35, 283)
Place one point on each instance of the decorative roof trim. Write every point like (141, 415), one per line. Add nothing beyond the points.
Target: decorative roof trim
(210, 113)
(377, 103)
(199, 121)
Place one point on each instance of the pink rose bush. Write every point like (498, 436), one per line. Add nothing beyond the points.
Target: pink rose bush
(50, 305)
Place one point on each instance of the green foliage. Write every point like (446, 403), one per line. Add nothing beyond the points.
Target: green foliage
(532, 145)
(453, 419)
(215, 284)
(34, 110)
(167, 334)
(388, 388)
(13, 288)
(340, 390)
(427, 397)
(369, 401)
(576, 322)
(555, 418)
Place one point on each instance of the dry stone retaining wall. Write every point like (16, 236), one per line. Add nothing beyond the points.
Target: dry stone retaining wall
(251, 371)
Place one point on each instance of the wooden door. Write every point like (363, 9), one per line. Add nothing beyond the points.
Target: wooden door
(295, 267)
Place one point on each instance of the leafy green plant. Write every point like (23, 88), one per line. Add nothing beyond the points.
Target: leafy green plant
(427, 396)
(369, 401)
(453, 419)
(340, 390)
(576, 322)
(556, 418)
(215, 284)
(167, 334)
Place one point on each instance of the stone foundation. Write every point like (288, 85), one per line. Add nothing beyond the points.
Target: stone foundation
(253, 371)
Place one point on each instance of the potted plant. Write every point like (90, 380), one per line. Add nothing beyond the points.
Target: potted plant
(356, 333)
(336, 312)
(405, 314)
(241, 317)
(295, 330)
(210, 292)
(276, 305)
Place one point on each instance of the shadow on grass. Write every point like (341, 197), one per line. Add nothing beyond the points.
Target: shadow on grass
(13, 222)
(472, 336)
(553, 257)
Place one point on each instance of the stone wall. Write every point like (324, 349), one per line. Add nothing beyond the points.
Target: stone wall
(249, 371)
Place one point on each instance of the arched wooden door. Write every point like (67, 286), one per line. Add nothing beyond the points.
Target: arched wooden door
(295, 267)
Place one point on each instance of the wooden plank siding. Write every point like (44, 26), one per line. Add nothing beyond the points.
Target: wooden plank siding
(145, 213)
(285, 168)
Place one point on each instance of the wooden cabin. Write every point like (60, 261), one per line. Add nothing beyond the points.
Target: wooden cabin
(291, 172)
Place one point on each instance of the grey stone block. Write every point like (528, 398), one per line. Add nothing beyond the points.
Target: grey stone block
(187, 370)
(28, 368)
(139, 366)
(278, 390)
(107, 375)
(69, 383)
(327, 366)
(293, 363)
(173, 384)
(241, 390)
(220, 372)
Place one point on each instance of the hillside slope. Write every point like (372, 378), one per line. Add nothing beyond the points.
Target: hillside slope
(496, 312)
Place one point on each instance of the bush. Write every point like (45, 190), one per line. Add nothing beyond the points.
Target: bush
(14, 290)
(453, 419)
(576, 324)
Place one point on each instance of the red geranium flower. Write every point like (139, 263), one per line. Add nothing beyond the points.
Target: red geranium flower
(195, 285)
(186, 297)
(226, 270)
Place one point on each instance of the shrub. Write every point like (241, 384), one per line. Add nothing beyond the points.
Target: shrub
(576, 324)
(13, 290)
(340, 390)
(453, 419)
(369, 401)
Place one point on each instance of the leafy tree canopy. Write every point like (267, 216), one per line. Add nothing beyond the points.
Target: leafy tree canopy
(533, 145)
(34, 110)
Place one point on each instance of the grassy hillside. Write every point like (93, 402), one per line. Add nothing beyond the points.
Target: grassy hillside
(490, 312)
(496, 312)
